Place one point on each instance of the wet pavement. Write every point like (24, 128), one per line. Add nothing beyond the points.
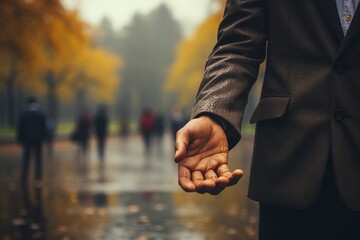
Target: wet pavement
(133, 197)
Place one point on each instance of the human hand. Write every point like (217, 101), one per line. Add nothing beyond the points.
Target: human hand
(202, 155)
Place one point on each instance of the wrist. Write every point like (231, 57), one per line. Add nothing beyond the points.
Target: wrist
(217, 120)
(232, 135)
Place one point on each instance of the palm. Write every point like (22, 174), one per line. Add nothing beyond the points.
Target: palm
(202, 153)
(205, 153)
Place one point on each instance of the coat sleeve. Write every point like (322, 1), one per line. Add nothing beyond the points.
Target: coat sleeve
(233, 65)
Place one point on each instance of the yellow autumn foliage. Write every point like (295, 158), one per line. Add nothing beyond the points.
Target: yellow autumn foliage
(34, 30)
(186, 73)
(41, 36)
(94, 70)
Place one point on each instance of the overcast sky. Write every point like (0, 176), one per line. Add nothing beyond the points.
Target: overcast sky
(188, 12)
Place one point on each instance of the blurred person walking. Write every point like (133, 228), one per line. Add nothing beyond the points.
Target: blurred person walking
(101, 131)
(81, 136)
(147, 124)
(30, 133)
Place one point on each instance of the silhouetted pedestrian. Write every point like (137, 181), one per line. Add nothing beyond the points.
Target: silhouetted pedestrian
(31, 132)
(81, 134)
(101, 131)
(147, 124)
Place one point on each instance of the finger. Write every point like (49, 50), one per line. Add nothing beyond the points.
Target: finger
(198, 180)
(201, 183)
(210, 179)
(211, 175)
(224, 174)
(226, 177)
(223, 181)
(236, 175)
(184, 179)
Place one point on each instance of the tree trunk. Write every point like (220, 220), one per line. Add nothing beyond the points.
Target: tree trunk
(52, 101)
(10, 90)
(3, 112)
(80, 100)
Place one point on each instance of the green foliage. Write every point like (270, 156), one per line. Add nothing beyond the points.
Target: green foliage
(7, 132)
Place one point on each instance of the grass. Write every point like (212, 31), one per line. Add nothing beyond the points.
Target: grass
(65, 128)
(62, 129)
(248, 130)
(7, 132)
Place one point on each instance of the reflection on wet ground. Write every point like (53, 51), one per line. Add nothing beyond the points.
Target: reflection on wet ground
(131, 197)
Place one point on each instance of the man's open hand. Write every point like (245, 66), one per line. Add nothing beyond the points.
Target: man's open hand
(202, 154)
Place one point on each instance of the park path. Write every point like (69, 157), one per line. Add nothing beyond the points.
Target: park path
(133, 197)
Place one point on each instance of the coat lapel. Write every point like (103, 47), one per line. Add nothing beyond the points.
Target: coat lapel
(353, 31)
(330, 13)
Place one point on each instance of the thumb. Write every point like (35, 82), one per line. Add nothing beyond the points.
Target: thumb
(181, 143)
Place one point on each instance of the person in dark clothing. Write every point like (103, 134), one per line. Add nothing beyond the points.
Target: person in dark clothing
(30, 133)
(101, 131)
(82, 132)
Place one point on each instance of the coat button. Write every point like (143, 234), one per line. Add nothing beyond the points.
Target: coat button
(339, 68)
(340, 115)
(347, 18)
